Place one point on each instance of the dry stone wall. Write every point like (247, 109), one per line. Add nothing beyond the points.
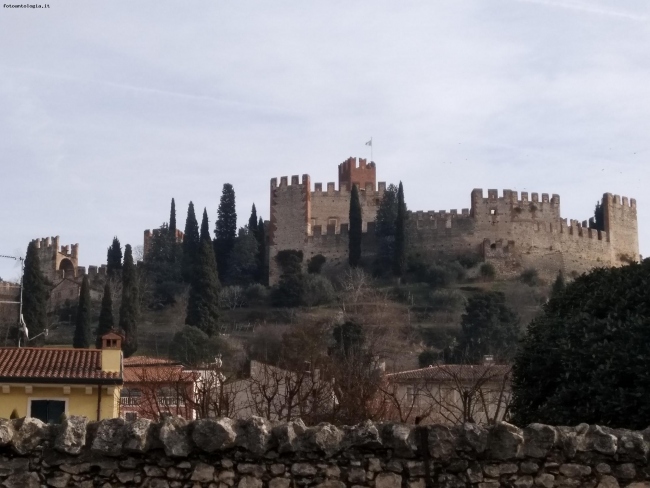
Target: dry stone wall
(255, 453)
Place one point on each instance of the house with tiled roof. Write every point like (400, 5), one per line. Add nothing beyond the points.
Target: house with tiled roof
(449, 393)
(46, 383)
(156, 386)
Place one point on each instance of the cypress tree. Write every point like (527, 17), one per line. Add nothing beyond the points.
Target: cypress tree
(261, 242)
(205, 227)
(114, 258)
(558, 285)
(106, 319)
(35, 292)
(354, 240)
(203, 303)
(129, 306)
(191, 242)
(82, 333)
(385, 226)
(172, 221)
(225, 231)
(399, 259)
(252, 221)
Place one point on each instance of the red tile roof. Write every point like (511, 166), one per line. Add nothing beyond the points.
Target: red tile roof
(148, 361)
(144, 369)
(53, 365)
(446, 372)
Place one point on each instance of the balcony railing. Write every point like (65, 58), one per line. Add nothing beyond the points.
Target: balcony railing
(129, 401)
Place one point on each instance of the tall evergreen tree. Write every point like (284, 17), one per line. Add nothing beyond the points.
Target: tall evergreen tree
(35, 293)
(225, 231)
(598, 220)
(82, 335)
(385, 226)
(172, 221)
(191, 241)
(203, 303)
(252, 221)
(205, 227)
(114, 258)
(399, 259)
(129, 308)
(558, 285)
(106, 319)
(261, 243)
(354, 240)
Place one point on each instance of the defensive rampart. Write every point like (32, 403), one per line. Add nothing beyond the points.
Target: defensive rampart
(254, 453)
(513, 231)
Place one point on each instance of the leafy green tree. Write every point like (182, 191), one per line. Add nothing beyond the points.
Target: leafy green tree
(354, 240)
(205, 227)
(225, 231)
(290, 290)
(35, 292)
(385, 226)
(488, 327)
(114, 258)
(106, 319)
(585, 358)
(191, 242)
(172, 221)
(399, 260)
(203, 303)
(82, 335)
(318, 290)
(315, 264)
(129, 308)
(193, 347)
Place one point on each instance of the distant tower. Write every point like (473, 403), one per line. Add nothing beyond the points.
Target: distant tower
(365, 173)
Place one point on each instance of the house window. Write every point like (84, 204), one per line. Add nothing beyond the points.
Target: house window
(410, 394)
(131, 416)
(168, 397)
(49, 411)
(130, 397)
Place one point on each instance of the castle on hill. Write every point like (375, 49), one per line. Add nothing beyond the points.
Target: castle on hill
(513, 232)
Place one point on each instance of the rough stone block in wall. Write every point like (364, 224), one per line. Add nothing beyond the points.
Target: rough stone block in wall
(258, 454)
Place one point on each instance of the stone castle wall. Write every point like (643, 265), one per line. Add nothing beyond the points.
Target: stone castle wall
(512, 231)
(254, 453)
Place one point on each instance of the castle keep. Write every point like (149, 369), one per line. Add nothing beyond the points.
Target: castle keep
(512, 231)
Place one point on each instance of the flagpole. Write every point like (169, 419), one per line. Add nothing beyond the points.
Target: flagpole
(371, 149)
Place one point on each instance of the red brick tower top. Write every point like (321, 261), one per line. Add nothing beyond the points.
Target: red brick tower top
(350, 173)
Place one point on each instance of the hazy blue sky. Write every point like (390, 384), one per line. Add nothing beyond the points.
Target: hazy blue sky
(108, 109)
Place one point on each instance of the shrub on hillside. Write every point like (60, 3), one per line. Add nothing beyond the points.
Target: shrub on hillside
(192, 346)
(585, 359)
(487, 271)
(256, 295)
(318, 290)
(446, 300)
(315, 264)
(530, 276)
(232, 297)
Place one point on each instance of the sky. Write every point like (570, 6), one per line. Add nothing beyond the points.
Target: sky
(108, 109)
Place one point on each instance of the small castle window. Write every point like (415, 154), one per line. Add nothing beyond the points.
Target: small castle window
(493, 211)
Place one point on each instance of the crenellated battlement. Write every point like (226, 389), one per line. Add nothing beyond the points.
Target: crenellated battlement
(295, 181)
(516, 229)
(511, 197)
(620, 201)
(345, 190)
